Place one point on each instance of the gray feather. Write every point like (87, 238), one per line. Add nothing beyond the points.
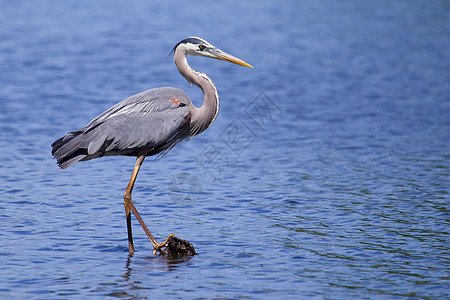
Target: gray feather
(149, 119)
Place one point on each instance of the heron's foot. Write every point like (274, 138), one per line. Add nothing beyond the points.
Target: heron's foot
(174, 248)
(158, 247)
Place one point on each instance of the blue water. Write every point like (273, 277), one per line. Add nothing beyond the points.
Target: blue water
(325, 175)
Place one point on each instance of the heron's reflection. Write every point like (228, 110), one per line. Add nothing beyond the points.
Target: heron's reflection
(152, 263)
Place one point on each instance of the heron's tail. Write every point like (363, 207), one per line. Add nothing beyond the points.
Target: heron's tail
(67, 150)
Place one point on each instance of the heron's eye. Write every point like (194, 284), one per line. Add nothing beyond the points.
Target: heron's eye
(202, 47)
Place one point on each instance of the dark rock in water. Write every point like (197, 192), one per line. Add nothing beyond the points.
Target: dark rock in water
(177, 248)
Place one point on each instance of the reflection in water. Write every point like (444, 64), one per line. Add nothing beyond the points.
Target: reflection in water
(125, 286)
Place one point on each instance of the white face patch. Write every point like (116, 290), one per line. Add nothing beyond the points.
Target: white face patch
(197, 46)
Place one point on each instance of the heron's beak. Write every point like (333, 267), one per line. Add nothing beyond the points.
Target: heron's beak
(219, 54)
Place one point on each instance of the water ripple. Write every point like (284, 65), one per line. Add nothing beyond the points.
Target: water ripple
(342, 193)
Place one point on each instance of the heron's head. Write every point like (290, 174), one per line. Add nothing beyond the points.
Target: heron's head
(199, 47)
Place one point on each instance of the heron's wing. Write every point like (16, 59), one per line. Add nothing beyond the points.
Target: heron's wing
(147, 102)
(122, 133)
(155, 119)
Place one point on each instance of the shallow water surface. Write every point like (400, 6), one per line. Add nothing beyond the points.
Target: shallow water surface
(325, 175)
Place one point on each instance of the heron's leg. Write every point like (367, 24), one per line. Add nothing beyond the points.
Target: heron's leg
(129, 230)
(129, 206)
(156, 246)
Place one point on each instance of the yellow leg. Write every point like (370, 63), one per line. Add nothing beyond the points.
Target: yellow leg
(129, 206)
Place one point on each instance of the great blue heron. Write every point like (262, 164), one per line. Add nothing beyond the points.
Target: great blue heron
(148, 123)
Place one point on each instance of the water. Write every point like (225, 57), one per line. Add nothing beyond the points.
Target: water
(325, 175)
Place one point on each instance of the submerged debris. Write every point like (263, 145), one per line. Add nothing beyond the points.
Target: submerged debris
(177, 248)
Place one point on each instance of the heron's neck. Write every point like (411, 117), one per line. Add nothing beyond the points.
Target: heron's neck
(201, 117)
